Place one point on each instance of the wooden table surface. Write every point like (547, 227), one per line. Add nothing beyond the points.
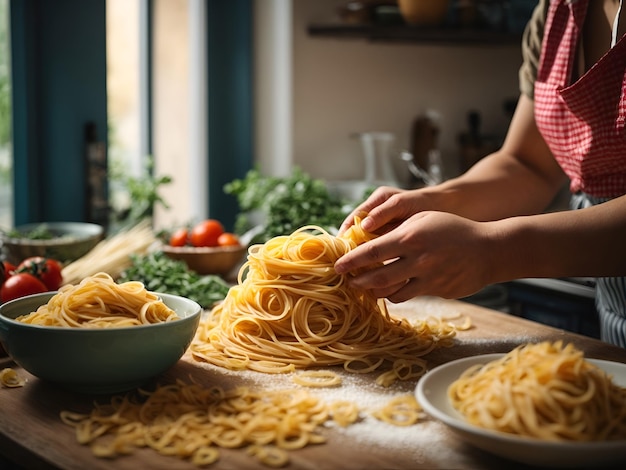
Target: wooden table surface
(32, 434)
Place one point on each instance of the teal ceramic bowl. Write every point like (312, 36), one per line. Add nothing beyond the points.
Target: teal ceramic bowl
(103, 360)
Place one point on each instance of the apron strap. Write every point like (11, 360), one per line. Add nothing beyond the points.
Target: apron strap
(616, 24)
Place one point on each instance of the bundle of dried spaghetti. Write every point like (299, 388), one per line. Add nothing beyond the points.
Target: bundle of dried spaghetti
(546, 391)
(112, 255)
(290, 309)
(99, 302)
(190, 421)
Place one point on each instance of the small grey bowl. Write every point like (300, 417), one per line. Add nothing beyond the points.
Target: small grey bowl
(71, 241)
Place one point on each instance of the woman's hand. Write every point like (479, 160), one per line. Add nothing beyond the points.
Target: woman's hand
(387, 208)
(431, 253)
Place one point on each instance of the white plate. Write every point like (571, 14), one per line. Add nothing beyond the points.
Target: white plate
(432, 394)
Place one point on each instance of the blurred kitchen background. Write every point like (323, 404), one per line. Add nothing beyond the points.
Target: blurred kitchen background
(321, 73)
(109, 105)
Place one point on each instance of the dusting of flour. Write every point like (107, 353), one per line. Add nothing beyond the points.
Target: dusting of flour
(425, 442)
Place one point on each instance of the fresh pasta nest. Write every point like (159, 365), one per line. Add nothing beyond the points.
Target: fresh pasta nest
(98, 336)
(547, 391)
(291, 310)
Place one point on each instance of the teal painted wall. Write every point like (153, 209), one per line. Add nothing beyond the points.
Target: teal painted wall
(230, 101)
(59, 84)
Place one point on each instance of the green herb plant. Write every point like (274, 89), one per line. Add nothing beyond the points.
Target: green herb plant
(143, 193)
(162, 274)
(284, 204)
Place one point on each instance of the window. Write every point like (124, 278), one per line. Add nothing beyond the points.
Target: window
(156, 103)
(156, 56)
(127, 116)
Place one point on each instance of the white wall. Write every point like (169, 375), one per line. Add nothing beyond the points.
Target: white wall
(342, 86)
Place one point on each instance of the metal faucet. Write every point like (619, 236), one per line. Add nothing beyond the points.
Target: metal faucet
(416, 170)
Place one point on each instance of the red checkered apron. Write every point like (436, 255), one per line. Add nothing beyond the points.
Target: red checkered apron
(584, 124)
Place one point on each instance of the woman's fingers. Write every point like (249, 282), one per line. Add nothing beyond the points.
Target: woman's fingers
(369, 254)
(432, 253)
(376, 199)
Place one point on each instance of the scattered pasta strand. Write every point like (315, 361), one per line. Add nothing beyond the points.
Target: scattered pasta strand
(403, 410)
(193, 422)
(10, 379)
(545, 390)
(99, 302)
(344, 412)
(291, 310)
(269, 455)
(317, 378)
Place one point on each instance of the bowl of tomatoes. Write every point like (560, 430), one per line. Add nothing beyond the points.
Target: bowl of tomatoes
(206, 247)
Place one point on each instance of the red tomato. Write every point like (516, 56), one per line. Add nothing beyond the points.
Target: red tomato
(228, 239)
(47, 270)
(179, 237)
(206, 233)
(20, 285)
(8, 268)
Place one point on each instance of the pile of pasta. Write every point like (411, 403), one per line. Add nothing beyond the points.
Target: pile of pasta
(546, 391)
(291, 310)
(189, 421)
(99, 302)
(193, 422)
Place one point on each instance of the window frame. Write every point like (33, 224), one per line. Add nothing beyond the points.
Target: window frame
(53, 59)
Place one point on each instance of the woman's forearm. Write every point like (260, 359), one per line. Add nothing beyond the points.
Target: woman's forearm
(585, 242)
(498, 186)
(521, 178)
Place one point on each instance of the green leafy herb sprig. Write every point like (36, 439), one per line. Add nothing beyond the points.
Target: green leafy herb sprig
(165, 275)
(285, 204)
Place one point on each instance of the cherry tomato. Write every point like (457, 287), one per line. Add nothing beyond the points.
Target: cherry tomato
(206, 233)
(228, 239)
(179, 237)
(20, 285)
(47, 270)
(9, 268)
(6, 271)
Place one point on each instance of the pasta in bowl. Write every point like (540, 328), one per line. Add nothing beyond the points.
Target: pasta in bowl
(98, 336)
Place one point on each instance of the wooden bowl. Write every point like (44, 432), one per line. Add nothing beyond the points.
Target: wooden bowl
(208, 260)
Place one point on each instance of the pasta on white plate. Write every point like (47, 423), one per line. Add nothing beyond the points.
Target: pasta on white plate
(291, 310)
(99, 302)
(547, 391)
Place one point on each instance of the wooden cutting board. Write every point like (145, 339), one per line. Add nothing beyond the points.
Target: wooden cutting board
(32, 433)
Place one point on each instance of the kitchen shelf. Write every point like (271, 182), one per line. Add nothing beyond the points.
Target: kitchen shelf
(413, 34)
